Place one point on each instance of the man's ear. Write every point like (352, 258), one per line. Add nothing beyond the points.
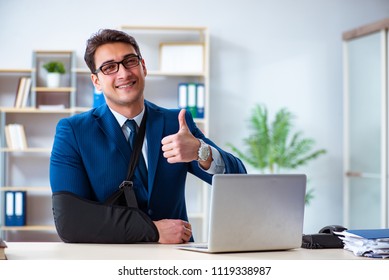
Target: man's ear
(96, 82)
(144, 67)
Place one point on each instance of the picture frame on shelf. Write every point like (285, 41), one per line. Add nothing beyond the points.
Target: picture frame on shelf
(182, 57)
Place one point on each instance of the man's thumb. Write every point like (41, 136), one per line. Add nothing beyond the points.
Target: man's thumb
(181, 120)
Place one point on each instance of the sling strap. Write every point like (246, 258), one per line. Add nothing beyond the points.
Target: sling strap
(127, 186)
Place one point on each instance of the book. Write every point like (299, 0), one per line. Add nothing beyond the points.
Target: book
(15, 136)
(54, 107)
(2, 250)
(26, 93)
(8, 137)
(20, 92)
(372, 243)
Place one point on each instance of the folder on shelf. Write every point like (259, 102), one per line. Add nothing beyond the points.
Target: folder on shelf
(182, 95)
(20, 208)
(192, 99)
(9, 208)
(200, 100)
(15, 208)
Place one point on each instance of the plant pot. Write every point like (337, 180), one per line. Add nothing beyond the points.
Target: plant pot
(53, 80)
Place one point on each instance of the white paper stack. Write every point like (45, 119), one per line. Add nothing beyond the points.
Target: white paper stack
(372, 243)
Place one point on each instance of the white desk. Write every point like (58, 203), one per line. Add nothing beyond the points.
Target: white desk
(63, 251)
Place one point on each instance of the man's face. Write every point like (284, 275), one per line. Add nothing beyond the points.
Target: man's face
(124, 89)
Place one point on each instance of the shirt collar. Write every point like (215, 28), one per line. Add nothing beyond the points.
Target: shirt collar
(122, 119)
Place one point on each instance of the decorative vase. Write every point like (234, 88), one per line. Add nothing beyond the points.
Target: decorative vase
(53, 80)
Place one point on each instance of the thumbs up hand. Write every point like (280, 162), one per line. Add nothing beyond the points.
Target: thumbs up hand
(182, 146)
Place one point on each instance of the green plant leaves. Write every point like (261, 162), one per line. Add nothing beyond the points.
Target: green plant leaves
(55, 67)
(271, 147)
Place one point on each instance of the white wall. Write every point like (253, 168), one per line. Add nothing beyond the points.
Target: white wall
(281, 53)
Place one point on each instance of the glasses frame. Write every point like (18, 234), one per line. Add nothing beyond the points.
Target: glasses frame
(98, 70)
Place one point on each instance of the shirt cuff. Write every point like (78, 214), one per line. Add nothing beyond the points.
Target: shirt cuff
(217, 165)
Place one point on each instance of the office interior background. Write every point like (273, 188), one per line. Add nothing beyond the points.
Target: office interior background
(278, 53)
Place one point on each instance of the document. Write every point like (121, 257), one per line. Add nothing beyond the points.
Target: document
(372, 243)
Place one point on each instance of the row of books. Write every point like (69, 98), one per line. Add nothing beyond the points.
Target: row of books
(15, 136)
(23, 92)
(15, 208)
(191, 96)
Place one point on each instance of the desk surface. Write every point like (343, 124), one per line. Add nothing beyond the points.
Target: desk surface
(63, 251)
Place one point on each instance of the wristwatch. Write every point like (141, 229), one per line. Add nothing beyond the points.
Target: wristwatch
(204, 151)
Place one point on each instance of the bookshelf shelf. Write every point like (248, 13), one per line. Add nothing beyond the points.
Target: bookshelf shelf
(31, 110)
(29, 228)
(61, 89)
(176, 74)
(28, 150)
(15, 71)
(25, 188)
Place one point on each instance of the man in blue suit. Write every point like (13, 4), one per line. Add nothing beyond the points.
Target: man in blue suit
(91, 154)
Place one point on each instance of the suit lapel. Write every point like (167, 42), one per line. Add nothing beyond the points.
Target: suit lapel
(154, 129)
(109, 125)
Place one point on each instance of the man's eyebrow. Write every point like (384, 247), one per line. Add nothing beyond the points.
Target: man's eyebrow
(124, 57)
(108, 61)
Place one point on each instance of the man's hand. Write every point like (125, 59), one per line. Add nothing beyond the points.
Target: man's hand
(182, 146)
(173, 231)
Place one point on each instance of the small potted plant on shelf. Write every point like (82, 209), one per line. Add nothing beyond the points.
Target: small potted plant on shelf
(54, 71)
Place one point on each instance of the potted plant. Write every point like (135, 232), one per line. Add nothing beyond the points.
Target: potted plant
(274, 146)
(54, 71)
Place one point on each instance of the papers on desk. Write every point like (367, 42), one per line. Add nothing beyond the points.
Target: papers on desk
(2, 250)
(373, 243)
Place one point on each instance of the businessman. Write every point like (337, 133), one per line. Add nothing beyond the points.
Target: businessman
(91, 153)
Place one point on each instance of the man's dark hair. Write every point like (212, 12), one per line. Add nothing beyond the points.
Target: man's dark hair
(104, 36)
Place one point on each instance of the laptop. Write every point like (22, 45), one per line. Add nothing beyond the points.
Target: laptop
(250, 212)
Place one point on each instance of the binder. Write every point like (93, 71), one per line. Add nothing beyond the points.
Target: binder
(15, 208)
(182, 95)
(192, 100)
(20, 208)
(369, 233)
(98, 98)
(200, 100)
(9, 208)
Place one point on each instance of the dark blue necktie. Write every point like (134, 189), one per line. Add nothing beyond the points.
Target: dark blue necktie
(141, 162)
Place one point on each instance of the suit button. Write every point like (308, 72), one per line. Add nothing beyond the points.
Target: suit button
(150, 212)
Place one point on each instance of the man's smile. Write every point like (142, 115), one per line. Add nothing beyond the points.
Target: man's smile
(129, 84)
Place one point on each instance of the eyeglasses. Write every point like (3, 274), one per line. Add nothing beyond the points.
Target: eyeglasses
(113, 67)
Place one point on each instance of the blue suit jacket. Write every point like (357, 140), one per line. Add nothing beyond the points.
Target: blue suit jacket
(90, 159)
